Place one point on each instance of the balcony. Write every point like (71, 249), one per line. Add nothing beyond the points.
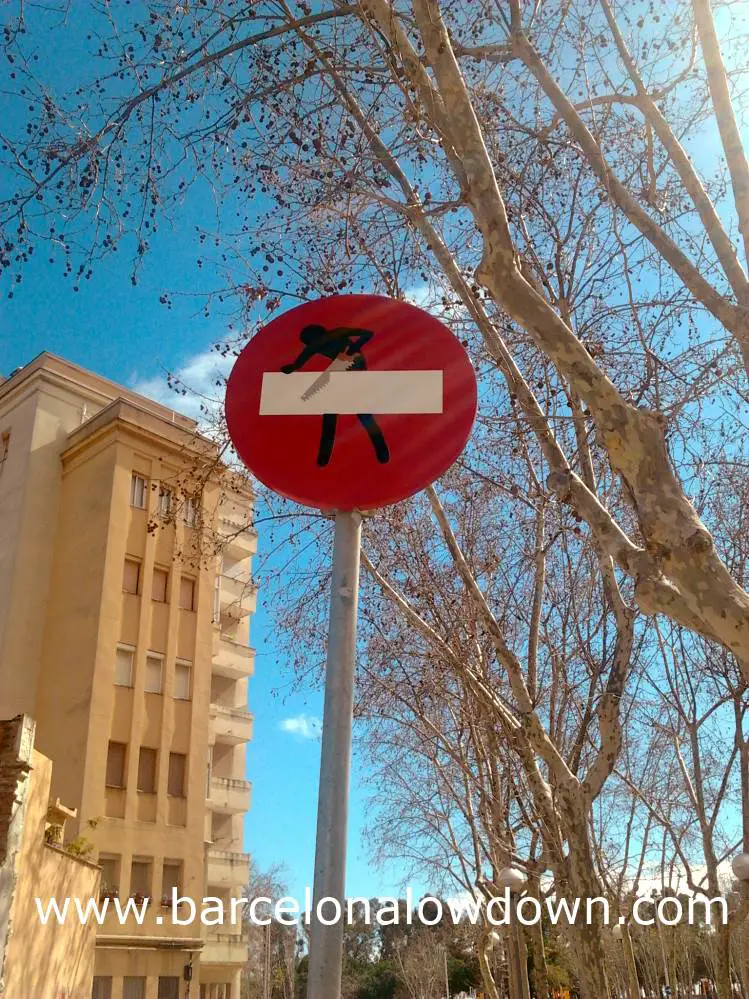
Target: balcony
(237, 594)
(227, 870)
(223, 948)
(230, 725)
(230, 795)
(232, 659)
(238, 538)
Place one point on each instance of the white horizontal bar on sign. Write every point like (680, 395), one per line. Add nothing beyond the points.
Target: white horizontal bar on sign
(375, 392)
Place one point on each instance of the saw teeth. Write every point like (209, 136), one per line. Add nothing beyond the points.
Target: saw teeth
(319, 383)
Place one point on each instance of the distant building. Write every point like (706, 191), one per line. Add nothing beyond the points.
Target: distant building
(125, 595)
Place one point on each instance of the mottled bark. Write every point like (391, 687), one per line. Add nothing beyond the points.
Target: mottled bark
(678, 572)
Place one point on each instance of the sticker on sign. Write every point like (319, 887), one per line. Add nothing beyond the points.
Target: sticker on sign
(351, 392)
(351, 403)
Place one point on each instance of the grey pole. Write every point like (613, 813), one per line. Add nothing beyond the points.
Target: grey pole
(326, 943)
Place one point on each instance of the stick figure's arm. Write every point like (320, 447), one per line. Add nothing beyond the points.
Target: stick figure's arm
(360, 338)
(304, 356)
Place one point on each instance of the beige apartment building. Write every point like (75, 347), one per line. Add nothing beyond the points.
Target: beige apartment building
(125, 597)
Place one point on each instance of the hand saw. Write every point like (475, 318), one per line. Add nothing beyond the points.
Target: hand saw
(338, 364)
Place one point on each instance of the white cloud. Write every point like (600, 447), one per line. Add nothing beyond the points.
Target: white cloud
(198, 375)
(304, 726)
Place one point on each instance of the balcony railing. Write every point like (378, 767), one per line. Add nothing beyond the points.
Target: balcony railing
(239, 538)
(232, 659)
(227, 870)
(231, 725)
(237, 594)
(229, 795)
(224, 948)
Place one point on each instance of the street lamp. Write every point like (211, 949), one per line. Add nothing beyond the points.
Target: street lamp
(659, 930)
(512, 878)
(740, 867)
(515, 880)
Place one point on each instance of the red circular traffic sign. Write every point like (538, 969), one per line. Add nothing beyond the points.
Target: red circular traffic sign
(351, 402)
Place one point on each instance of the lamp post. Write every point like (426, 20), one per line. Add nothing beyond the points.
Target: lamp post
(659, 930)
(621, 932)
(514, 880)
(740, 867)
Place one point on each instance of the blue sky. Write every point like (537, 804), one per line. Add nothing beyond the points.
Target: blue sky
(121, 331)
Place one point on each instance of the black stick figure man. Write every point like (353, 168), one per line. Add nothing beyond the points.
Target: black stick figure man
(333, 343)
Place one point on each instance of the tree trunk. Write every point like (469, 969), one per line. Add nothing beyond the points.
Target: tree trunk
(589, 954)
(629, 957)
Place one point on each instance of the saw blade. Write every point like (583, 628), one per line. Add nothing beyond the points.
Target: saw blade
(338, 364)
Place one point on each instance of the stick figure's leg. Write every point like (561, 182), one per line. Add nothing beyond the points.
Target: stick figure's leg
(375, 435)
(327, 438)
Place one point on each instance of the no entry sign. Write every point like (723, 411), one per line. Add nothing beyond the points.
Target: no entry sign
(351, 403)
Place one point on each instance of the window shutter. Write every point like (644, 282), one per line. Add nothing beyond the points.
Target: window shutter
(182, 680)
(147, 770)
(102, 987)
(191, 511)
(168, 988)
(187, 593)
(176, 783)
(165, 501)
(171, 878)
(140, 877)
(123, 667)
(108, 872)
(160, 579)
(154, 671)
(138, 491)
(116, 764)
(133, 988)
(131, 576)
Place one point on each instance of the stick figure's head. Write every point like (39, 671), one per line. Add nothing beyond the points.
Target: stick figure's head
(312, 334)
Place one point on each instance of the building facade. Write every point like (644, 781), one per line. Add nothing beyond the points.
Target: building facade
(56, 959)
(125, 597)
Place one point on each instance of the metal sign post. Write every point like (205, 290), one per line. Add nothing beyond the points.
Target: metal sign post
(326, 944)
(347, 403)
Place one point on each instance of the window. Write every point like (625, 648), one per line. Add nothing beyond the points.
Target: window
(182, 680)
(171, 877)
(147, 770)
(154, 671)
(168, 988)
(176, 782)
(133, 988)
(160, 580)
(4, 448)
(110, 873)
(102, 987)
(131, 576)
(165, 501)
(140, 877)
(187, 593)
(191, 511)
(123, 666)
(116, 764)
(138, 488)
